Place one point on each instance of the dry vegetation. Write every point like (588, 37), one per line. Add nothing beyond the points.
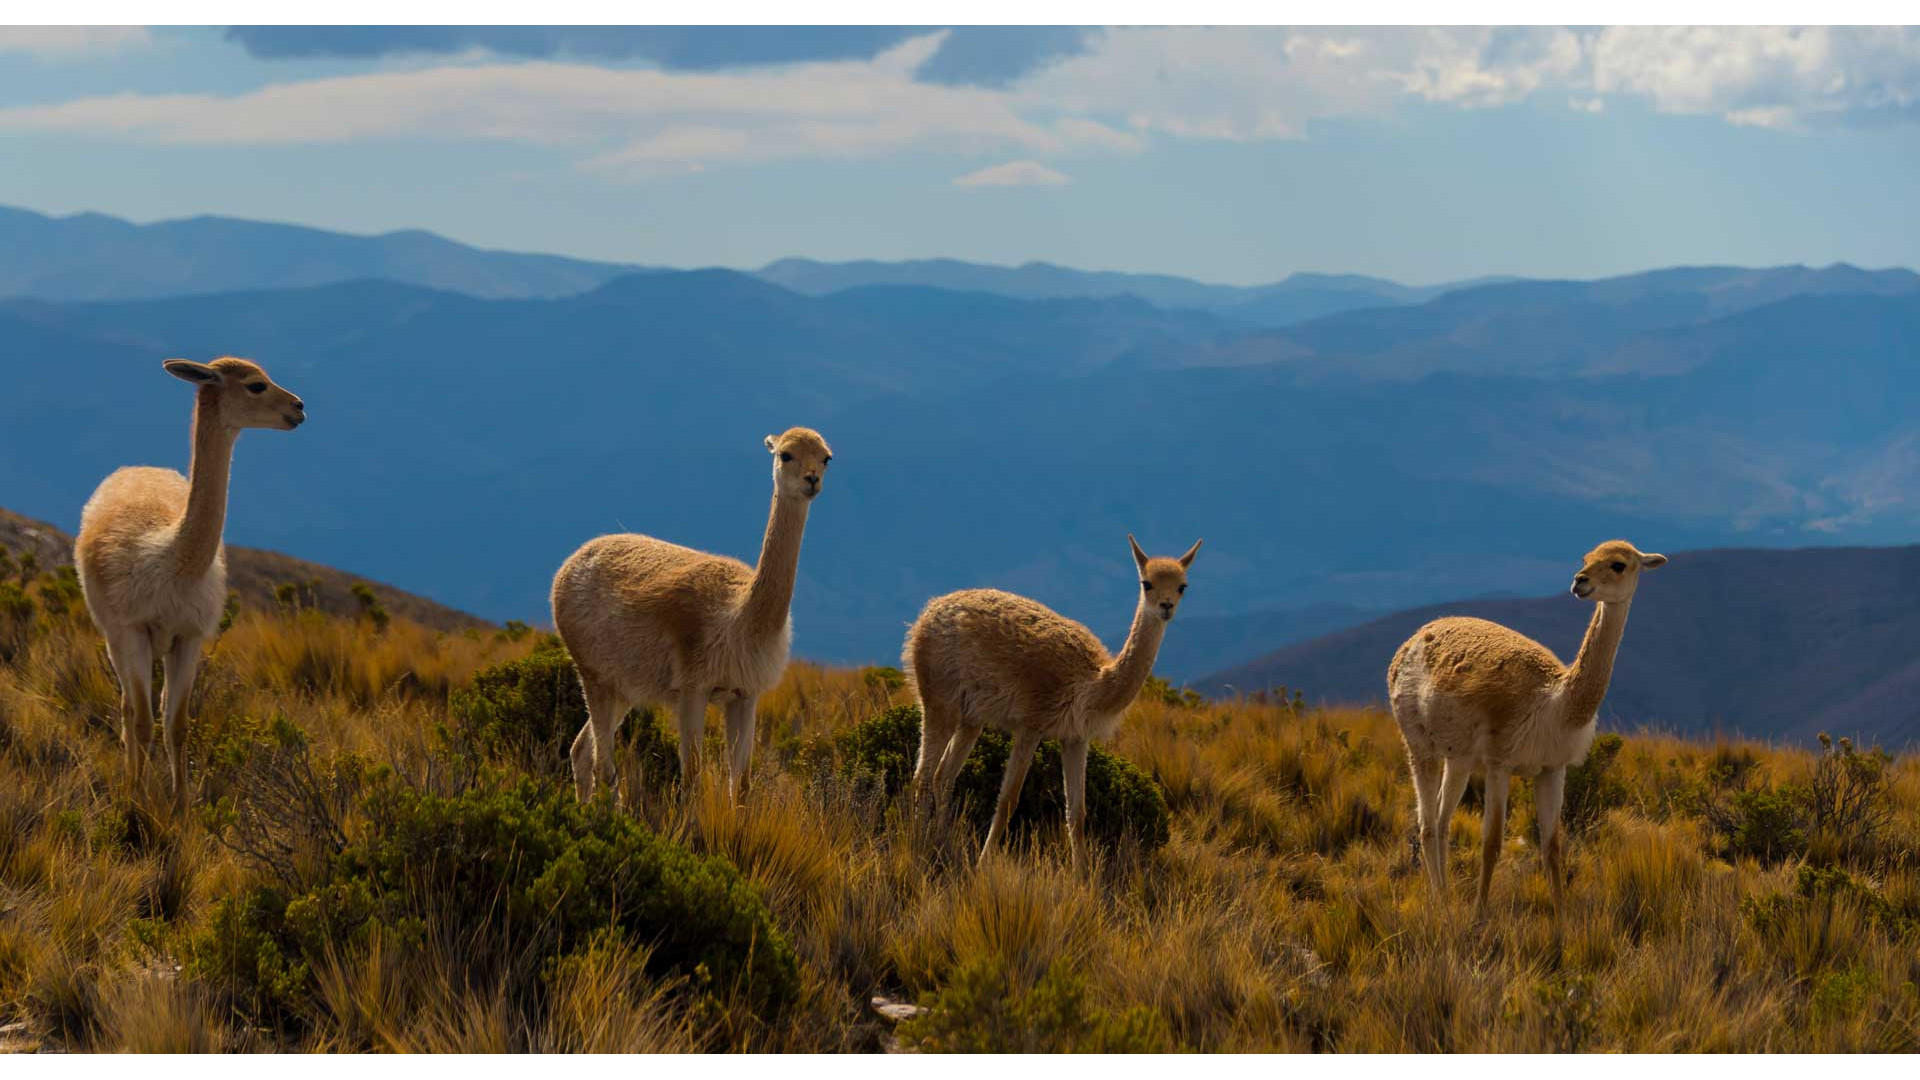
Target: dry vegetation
(1725, 896)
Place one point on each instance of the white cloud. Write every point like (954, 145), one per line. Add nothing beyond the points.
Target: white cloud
(1269, 83)
(63, 41)
(1133, 85)
(1014, 174)
(1768, 76)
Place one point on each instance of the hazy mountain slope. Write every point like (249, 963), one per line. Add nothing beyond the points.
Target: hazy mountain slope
(464, 446)
(1202, 644)
(255, 574)
(1545, 328)
(94, 257)
(1778, 644)
(1298, 298)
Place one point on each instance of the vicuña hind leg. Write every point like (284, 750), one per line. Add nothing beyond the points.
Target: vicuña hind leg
(1493, 832)
(181, 662)
(592, 752)
(131, 652)
(1018, 762)
(1453, 784)
(953, 760)
(1428, 774)
(936, 731)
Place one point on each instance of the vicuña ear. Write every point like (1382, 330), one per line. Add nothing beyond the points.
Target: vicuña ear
(1648, 562)
(192, 371)
(1187, 559)
(1139, 557)
(769, 441)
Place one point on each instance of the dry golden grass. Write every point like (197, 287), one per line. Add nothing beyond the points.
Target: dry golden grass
(1286, 913)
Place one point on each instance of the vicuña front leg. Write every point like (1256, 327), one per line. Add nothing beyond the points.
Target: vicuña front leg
(1073, 762)
(1548, 794)
(1493, 831)
(131, 652)
(691, 714)
(1018, 762)
(180, 664)
(740, 720)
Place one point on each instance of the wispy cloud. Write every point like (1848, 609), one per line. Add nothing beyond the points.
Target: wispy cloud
(56, 42)
(1014, 174)
(1124, 88)
(968, 56)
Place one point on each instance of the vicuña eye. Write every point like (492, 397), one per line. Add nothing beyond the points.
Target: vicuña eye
(828, 461)
(1183, 590)
(784, 456)
(1619, 568)
(1147, 585)
(256, 388)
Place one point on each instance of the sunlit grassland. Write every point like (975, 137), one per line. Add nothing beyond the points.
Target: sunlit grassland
(1713, 905)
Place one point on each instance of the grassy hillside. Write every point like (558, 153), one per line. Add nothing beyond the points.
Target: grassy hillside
(383, 855)
(1773, 644)
(259, 579)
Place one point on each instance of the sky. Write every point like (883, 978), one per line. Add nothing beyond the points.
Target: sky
(1229, 155)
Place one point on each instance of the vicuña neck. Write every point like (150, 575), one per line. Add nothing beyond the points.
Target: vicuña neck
(1120, 681)
(1592, 669)
(771, 594)
(198, 542)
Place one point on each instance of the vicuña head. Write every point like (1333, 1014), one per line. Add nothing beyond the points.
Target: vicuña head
(1612, 572)
(241, 394)
(800, 460)
(1163, 581)
(1472, 695)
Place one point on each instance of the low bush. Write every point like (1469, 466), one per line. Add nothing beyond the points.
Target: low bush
(508, 879)
(1123, 802)
(984, 1011)
(530, 710)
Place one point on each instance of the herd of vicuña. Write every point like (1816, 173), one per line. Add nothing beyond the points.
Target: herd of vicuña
(650, 622)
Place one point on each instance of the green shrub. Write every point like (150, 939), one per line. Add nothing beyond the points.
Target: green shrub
(983, 1011)
(1594, 786)
(247, 951)
(370, 607)
(529, 710)
(1849, 803)
(17, 611)
(1840, 815)
(1767, 823)
(1158, 689)
(1122, 800)
(509, 880)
